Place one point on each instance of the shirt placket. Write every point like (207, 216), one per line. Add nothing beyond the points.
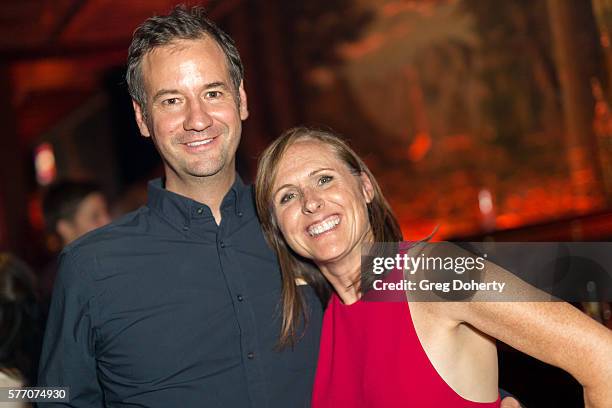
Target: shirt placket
(231, 269)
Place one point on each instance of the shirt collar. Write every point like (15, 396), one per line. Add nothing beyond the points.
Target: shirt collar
(178, 208)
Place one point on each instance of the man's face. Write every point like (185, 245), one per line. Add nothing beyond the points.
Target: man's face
(193, 115)
(91, 213)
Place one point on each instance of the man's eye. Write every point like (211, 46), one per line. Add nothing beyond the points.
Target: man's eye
(286, 198)
(213, 94)
(325, 179)
(170, 101)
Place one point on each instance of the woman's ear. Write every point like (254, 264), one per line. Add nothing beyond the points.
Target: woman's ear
(366, 187)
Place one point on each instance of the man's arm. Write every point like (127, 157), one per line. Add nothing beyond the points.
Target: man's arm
(68, 358)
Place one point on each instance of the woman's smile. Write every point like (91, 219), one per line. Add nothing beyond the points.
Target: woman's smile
(322, 227)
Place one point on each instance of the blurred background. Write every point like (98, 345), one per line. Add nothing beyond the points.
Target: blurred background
(491, 119)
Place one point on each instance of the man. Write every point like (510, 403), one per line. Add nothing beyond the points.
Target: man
(71, 209)
(176, 304)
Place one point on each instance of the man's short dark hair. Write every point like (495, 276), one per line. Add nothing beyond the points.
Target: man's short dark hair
(181, 24)
(62, 200)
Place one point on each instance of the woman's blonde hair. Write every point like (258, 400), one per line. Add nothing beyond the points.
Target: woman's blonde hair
(384, 225)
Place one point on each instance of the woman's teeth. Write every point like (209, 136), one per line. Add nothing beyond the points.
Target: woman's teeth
(324, 226)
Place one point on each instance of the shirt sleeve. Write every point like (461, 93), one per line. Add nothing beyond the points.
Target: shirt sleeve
(68, 352)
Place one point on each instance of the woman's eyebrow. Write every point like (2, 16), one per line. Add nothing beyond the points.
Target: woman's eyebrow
(280, 188)
(312, 173)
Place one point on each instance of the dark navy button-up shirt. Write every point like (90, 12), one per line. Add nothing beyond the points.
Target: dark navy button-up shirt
(165, 308)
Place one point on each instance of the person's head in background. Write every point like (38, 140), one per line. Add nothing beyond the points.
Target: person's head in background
(73, 208)
(20, 320)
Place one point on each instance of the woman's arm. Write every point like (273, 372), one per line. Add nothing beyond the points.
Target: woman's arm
(554, 332)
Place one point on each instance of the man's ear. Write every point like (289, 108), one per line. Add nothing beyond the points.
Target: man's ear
(140, 119)
(244, 110)
(65, 230)
(366, 187)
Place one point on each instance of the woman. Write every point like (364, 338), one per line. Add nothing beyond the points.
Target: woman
(20, 325)
(318, 204)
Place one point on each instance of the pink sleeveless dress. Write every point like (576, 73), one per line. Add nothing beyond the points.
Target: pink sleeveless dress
(371, 357)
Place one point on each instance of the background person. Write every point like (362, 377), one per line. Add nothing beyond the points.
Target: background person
(71, 209)
(20, 323)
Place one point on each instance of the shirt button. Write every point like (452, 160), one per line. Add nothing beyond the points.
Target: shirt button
(222, 244)
(240, 298)
(251, 355)
(200, 211)
(240, 213)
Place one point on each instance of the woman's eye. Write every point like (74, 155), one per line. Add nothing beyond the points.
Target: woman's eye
(325, 180)
(286, 198)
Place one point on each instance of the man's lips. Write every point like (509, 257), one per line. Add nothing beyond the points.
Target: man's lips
(199, 143)
(194, 144)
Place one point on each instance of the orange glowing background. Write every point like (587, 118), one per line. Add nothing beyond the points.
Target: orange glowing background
(455, 99)
(475, 116)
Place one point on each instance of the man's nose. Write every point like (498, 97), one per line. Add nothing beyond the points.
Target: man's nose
(197, 117)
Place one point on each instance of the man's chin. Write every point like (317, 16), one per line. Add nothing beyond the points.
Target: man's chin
(207, 171)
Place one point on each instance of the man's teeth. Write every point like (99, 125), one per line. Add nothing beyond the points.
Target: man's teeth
(200, 143)
(324, 226)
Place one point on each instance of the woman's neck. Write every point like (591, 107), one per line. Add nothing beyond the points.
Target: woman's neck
(344, 276)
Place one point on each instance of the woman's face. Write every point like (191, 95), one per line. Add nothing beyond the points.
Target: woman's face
(320, 206)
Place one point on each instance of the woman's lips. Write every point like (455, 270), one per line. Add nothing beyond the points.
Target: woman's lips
(323, 226)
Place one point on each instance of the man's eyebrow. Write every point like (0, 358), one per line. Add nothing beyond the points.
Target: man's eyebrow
(163, 92)
(218, 84)
(312, 173)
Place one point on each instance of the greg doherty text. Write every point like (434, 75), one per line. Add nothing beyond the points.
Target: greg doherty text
(426, 285)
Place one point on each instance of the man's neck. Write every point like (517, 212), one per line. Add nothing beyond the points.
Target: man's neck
(205, 190)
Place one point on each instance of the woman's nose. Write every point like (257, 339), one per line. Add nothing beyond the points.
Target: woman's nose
(312, 203)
